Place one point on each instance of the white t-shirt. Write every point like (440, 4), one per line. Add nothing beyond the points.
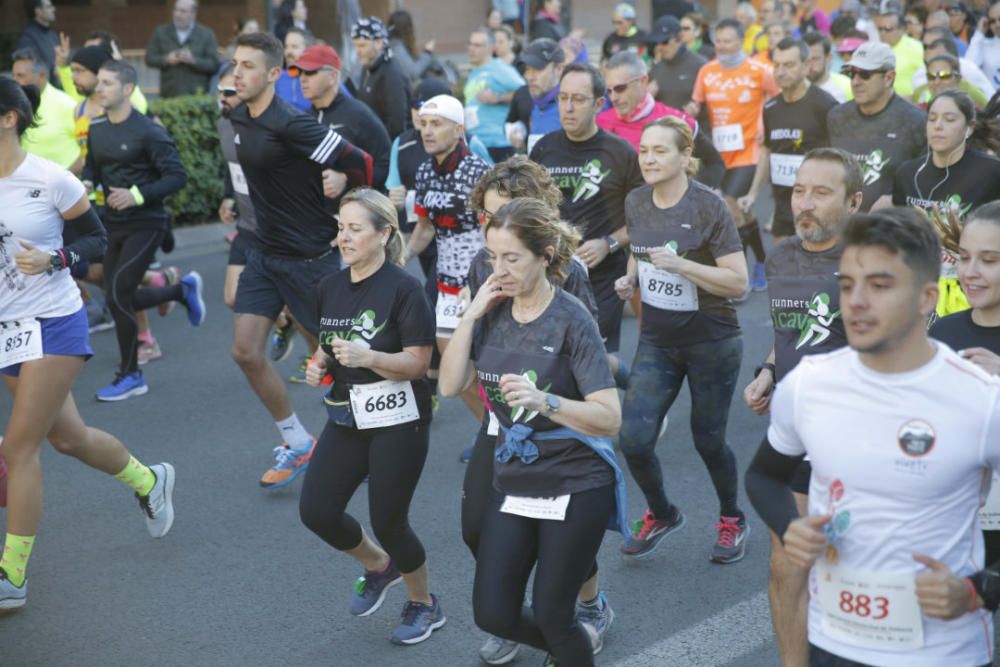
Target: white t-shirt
(906, 459)
(32, 201)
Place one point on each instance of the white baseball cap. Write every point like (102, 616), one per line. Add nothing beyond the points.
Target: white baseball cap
(445, 106)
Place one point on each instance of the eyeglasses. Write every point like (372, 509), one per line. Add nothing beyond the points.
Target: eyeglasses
(577, 100)
(864, 75)
(227, 92)
(686, 28)
(484, 216)
(622, 87)
(943, 75)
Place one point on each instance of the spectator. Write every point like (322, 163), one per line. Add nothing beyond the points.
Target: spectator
(818, 67)
(752, 29)
(184, 51)
(489, 89)
(39, 35)
(909, 53)
(494, 19)
(53, 136)
(509, 10)
(626, 36)
(939, 23)
(676, 8)
(505, 44)
(288, 87)
(974, 82)
(694, 34)
(384, 87)
(403, 42)
(114, 47)
(812, 18)
(675, 68)
(547, 22)
(534, 111)
(290, 14)
(984, 48)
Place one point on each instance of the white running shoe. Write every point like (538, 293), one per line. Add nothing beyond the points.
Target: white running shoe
(158, 506)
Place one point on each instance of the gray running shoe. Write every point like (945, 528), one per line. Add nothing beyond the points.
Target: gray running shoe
(596, 619)
(497, 651)
(12, 597)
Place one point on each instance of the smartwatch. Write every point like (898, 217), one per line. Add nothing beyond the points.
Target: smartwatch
(613, 245)
(552, 405)
(764, 366)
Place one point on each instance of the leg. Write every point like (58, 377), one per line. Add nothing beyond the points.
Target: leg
(123, 274)
(249, 339)
(788, 594)
(476, 490)
(232, 280)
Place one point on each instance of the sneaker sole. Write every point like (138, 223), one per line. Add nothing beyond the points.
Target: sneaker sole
(201, 302)
(504, 659)
(138, 391)
(168, 497)
(98, 328)
(659, 538)
(736, 559)
(12, 605)
(381, 598)
(291, 478)
(600, 636)
(424, 637)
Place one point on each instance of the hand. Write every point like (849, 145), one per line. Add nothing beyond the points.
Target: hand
(186, 56)
(488, 296)
(351, 354)
(464, 299)
(940, 593)
(227, 211)
(692, 109)
(173, 58)
(120, 199)
(316, 369)
(983, 358)
(62, 51)
(757, 394)
(666, 259)
(625, 287)
(116, 53)
(746, 202)
(430, 46)
(397, 196)
(520, 392)
(593, 252)
(805, 540)
(31, 261)
(487, 96)
(334, 183)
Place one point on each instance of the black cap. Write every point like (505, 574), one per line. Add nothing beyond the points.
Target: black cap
(665, 28)
(541, 52)
(92, 57)
(428, 88)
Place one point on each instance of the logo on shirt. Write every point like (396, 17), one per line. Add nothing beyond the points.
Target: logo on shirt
(816, 327)
(438, 200)
(838, 526)
(873, 163)
(34, 194)
(532, 377)
(916, 438)
(360, 329)
(10, 275)
(952, 204)
(589, 182)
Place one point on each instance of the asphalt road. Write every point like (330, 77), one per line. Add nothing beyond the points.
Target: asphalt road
(239, 581)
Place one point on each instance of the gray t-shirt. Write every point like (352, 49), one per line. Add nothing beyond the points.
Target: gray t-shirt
(248, 218)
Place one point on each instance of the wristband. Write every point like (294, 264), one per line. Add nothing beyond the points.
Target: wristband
(139, 199)
(987, 585)
(57, 259)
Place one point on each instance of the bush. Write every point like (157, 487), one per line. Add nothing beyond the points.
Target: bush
(191, 122)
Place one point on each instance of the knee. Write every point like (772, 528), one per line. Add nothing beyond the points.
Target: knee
(64, 443)
(553, 621)
(390, 532)
(247, 356)
(492, 619)
(317, 517)
(17, 453)
(633, 438)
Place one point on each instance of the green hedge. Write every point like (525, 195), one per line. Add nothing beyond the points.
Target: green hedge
(191, 122)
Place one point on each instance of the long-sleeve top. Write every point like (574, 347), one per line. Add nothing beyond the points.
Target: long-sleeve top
(413, 68)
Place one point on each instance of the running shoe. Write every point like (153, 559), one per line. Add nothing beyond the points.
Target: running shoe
(371, 587)
(418, 622)
(466, 455)
(282, 342)
(288, 464)
(758, 282)
(158, 506)
(195, 304)
(149, 352)
(596, 620)
(550, 661)
(648, 532)
(497, 651)
(166, 278)
(300, 375)
(11, 596)
(124, 386)
(101, 322)
(732, 543)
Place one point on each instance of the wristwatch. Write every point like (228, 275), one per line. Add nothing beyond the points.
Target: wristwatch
(613, 245)
(987, 585)
(552, 405)
(766, 365)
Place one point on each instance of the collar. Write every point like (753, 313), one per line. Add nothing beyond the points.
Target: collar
(681, 52)
(450, 163)
(546, 99)
(383, 58)
(641, 111)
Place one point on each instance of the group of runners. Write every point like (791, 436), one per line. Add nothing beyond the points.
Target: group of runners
(883, 435)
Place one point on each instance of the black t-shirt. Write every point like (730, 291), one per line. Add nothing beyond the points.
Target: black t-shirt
(959, 332)
(790, 131)
(594, 176)
(675, 79)
(282, 154)
(615, 43)
(388, 311)
(562, 353)
(520, 107)
(882, 142)
(700, 228)
(805, 303)
(972, 181)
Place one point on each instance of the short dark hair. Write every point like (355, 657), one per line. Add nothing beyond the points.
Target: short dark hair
(840, 26)
(268, 44)
(123, 71)
(789, 43)
(952, 61)
(596, 80)
(813, 37)
(22, 100)
(29, 8)
(853, 176)
(29, 53)
(944, 43)
(901, 230)
(730, 23)
(106, 38)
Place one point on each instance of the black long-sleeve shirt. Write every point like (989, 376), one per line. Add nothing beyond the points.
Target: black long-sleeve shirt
(385, 88)
(136, 152)
(357, 123)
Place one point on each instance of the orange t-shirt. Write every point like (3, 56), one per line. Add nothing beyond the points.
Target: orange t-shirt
(735, 102)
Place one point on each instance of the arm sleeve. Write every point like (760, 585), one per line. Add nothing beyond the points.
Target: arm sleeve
(712, 167)
(85, 238)
(206, 60)
(156, 51)
(768, 483)
(392, 179)
(163, 154)
(303, 135)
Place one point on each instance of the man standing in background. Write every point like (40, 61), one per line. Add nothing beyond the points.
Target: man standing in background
(184, 51)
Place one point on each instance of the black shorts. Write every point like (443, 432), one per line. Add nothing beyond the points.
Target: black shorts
(269, 283)
(736, 182)
(800, 480)
(610, 309)
(783, 227)
(238, 248)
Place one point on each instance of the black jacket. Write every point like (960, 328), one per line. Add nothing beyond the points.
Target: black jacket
(386, 90)
(183, 79)
(42, 41)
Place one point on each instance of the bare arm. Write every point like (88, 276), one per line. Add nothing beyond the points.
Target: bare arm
(727, 279)
(423, 234)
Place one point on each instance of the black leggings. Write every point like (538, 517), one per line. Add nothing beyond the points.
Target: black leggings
(750, 236)
(562, 553)
(126, 261)
(392, 461)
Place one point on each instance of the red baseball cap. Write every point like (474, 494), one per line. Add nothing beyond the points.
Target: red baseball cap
(316, 57)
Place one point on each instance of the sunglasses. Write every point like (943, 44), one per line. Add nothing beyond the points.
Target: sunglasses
(227, 92)
(622, 87)
(864, 75)
(943, 75)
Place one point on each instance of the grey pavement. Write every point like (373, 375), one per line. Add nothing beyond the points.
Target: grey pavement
(239, 580)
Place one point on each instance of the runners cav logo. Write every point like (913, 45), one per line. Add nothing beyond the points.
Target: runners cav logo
(816, 327)
(361, 329)
(588, 183)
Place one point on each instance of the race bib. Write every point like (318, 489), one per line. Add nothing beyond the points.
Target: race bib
(784, 167)
(949, 266)
(493, 428)
(665, 290)
(728, 138)
(385, 403)
(989, 513)
(19, 342)
(549, 509)
(239, 180)
(449, 310)
(870, 609)
(411, 205)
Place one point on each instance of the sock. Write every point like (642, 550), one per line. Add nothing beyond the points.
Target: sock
(16, 551)
(147, 337)
(596, 602)
(138, 476)
(294, 433)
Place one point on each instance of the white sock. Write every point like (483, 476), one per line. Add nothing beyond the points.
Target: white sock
(294, 433)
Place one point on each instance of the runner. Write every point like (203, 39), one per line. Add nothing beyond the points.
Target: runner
(136, 163)
(950, 178)
(687, 262)
(819, 64)
(534, 110)
(805, 311)
(878, 126)
(376, 336)
(734, 88)
(675, 68)
(900, 432)
(595, 171)
(45, 343)
(282, 153)
(523, 338)
(794, 124)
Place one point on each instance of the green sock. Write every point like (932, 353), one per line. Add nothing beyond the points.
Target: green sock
(138, 476)
(16, 551)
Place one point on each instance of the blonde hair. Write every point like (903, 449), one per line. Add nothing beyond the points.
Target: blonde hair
(538, 226)
(382, 214)
(683, 138)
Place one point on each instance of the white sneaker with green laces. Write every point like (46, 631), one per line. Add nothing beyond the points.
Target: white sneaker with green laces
(11, 596)
(158, 506)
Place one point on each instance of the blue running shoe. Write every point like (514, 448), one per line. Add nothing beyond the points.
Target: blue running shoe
(288, 464)
(192, 285)
(596, 619)
(11, 596)
(758, 282)
(370, 589)
(466, 455)
(124, 386)
(418, 622)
